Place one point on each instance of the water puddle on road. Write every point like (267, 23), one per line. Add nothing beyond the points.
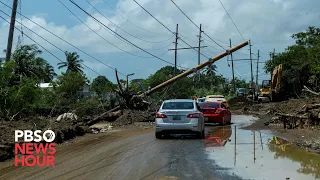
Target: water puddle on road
(259, 154)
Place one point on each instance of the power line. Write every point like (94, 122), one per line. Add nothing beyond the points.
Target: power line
(62, 40)
(125, 30)
(119, 34)
(99, 34)
(45, 48)
(129, 20)
(196, 24)
(231, 20)
(166, 26)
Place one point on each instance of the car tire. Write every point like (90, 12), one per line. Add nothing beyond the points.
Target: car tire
(158, 135)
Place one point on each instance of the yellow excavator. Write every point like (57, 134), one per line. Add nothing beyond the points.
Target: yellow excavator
(272, 88)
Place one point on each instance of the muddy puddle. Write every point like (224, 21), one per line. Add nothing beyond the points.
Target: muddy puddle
(259, 154)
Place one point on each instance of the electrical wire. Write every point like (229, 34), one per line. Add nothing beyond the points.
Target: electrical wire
(100, 35)
(166, 27)
(195, 24)
(45, 48)
(129, 20)
(161, 48)
(120, 35)
(232, 20)
(125, 30)
(62, 40)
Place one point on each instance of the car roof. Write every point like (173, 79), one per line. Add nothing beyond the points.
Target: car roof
(215, 102)
(215, 96)
(179, 100)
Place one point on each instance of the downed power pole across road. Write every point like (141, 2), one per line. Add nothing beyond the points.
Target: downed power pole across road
(190, 71)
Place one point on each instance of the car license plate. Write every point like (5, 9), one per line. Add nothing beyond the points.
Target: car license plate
(176, 118)
(206, 119)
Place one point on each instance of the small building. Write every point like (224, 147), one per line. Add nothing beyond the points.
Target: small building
(46, 86)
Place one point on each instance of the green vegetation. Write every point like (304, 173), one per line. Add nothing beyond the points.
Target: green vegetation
(301, 63)
(21, 95)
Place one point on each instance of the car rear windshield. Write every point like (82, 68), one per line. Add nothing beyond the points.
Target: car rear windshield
(178, 105)
(216, 99)
(213, 105)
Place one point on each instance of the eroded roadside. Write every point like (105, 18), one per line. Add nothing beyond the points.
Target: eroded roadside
(306, 135)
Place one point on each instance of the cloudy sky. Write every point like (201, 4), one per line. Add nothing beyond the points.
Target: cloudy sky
(267, 23)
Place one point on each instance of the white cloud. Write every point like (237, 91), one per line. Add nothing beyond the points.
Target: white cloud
(268, 23)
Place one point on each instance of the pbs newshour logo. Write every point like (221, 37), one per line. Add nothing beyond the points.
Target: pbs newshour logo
(34, 148)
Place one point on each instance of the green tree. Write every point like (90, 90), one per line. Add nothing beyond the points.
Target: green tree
(70, 84)
(138, 85)
(102, 85)
(28, 64)
(301, 62)
(73, 62)
(180, 89)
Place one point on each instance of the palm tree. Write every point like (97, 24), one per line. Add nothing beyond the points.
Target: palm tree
(210, 69)
(25, 59)
(73, 63)
(27, 64)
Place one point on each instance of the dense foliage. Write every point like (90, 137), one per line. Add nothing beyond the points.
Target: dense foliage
(301, 63)
(21, 94)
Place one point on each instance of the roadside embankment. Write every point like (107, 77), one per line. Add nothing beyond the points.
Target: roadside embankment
(297, 120)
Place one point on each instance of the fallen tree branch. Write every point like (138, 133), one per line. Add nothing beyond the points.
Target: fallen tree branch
(310, 91)
(291, 115)
(314, 106)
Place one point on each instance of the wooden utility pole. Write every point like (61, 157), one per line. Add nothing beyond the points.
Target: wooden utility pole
(175, 50)
(251, 84)
(188, 72)
(257, 71)
(234, 83)
(11, 29)
(199, 44)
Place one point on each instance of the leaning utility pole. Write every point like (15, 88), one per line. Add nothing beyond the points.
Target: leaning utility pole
(251, 84)
(199, 47)
(234, 83)
(11, 29)
(175, 51)
(257, 70)
(188, 72)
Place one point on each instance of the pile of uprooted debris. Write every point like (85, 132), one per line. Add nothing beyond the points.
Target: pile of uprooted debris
(294, 113)
(296, 119)
(68, 125)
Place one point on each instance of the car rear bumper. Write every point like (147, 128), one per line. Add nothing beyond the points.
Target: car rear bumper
(213, 118)
(178, 127)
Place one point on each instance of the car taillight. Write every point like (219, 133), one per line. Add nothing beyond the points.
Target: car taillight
(195, 115)
(160, 115)
(218, 111)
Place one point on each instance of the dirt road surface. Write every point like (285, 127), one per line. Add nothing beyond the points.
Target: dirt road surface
(139, 155)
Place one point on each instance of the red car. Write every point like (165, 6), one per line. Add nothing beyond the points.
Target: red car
(215, 112)
(218, 137)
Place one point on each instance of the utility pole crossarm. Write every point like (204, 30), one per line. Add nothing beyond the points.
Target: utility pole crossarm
(187, 48)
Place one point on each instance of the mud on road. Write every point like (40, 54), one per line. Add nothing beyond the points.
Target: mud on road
(227, 152)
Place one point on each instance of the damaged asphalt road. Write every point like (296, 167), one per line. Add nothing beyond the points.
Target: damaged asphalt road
(139, 155)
